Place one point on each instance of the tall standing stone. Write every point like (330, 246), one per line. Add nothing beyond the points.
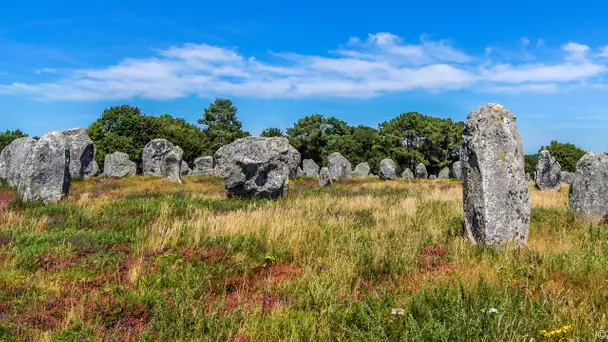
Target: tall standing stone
(421, 171)
(457, 170)
(310, 168)
(444, 173)
(46, 173)
(407, 174)
(119, 165)
(589, 188)
(361, 170)
(548, 172)
(324, 177)
(12, 160)
(162, 159)
(495, 193)
(203, 166)
(339, 167)
(388, 169)
(82, 152)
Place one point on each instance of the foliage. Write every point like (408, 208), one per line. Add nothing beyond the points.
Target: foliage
(7, 137)
(221, 125)
(565, 153)
(272, 132)
(530, 162)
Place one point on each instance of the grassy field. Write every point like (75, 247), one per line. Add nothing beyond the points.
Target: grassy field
(140, 259)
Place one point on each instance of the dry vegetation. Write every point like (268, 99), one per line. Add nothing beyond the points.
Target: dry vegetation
(141, 259)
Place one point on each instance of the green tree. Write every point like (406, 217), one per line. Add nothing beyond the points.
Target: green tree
(178, 131)
(221, 125)
(315, 136)
(272, 132)
(7, 137)
(530, 161)
(565, 153)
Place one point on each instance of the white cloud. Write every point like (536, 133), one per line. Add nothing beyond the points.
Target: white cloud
(603, 51)
(362, 68)
(524, 41)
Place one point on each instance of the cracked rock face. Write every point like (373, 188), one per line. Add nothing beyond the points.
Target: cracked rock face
(589, 188)
(496, 198)
(548, 172)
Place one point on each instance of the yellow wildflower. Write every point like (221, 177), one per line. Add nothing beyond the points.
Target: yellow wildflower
(558, 332)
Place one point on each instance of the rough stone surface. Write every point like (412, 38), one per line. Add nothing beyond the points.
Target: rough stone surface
(256, 167)
(203, 166)
(548, 172)
(567, 177)
(457, 170)
(117, 164)
(388, 169)
(46, 173)
(339, 167)
(421, 171)
(162, 159)
(12, 160)
(299, 172)
(185, 169)
(294, 159)
(432, 177)
(324, 177)
(91, 170)
(361, 170)
(589, 188)
(496, 198)
(444, 173)
(310, 168)
(82, 151)
(407, 174)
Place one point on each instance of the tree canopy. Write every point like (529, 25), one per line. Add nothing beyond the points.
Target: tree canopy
(565, 153)
(221, 125)
(7, 137)
(272, 132)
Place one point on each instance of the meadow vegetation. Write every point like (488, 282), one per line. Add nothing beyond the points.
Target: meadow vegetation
(139, 259)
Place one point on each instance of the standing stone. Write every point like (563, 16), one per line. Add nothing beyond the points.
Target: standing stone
(324, 177)
(548, 172)
(444, 173)
(388, 169)
(432, 177)
(496, 199)
(567, 177)
(185, 168)
(293, 162)
(339, 167)
(457, 170)
(91, 170)
(162, 159)
(300, 173)
(12, 160)
(203, 166)
(421, 171)
(310, 168)
(46, 173)
(361, 170)
(117, 164)
(589, 188)
(407, 174)
(82, 151)
(256, 167)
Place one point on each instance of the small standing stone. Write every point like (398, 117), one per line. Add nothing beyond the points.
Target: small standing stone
(117, 164)
(388, 169)
(444, 173)
(589, 188)
(361, 170)
(91, 170)
(339, 167)
(185, 168)
(203, 166)
(12, 160)
(432, 177)
(82, 151)
(324, 177)
(457, 170)
(299, 173)
(548, 172)
(310, 168)
(421, 171)
(162, 159)
(407, 174)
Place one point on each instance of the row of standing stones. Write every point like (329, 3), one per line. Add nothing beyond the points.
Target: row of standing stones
(496, 198)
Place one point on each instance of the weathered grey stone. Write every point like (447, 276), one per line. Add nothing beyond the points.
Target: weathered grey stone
(324, 177)
(203, 166)
(548, 172)
(185, 168)
(294, 159)
(432, 177)
(12, 160)
(162, 159)
(495, 193)
(82, 151)
(117, 164)
(46, 174)
(589, 188)
(339, 167)
(421, 171)
(310, 168)
(528, 177)
(388, 169)
(567, 177)
(299, 172)
(457, 170)
(256, 167)
(444, 173)
(361, 170)
(91, 170)
(407, 174)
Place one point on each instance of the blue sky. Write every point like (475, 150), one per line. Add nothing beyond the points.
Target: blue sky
(63, 62)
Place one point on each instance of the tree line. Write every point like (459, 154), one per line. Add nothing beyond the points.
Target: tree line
(409, 139)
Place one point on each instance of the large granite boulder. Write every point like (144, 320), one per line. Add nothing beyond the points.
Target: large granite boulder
(496, 198)
(589, 188)
(444, 173)
(310, 168)
(421, 171)
(548, 172)
(185, 169)
(45, 176)
(457, 170)
(117, 164)
(203, 166)
(12, 160)
(256, 167)
(339, 167)
(82, 152)
(361, 170)
(567, 177)
(162, 159)
(388, 169)
(324, 177)
(407, 174)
